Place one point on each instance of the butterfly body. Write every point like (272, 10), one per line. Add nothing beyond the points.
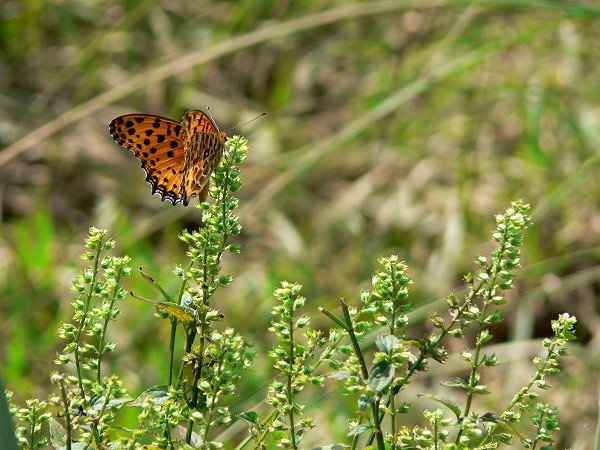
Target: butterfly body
(178, 157)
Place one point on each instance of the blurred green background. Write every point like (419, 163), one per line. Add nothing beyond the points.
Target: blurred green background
(393, 127)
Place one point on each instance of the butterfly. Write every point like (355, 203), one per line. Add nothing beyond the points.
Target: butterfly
(178, 157)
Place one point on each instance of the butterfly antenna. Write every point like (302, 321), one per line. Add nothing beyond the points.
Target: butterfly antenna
(251, 120)
(210, 114)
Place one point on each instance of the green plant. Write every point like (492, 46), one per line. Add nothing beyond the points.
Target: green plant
(398, 357)
(188, 410)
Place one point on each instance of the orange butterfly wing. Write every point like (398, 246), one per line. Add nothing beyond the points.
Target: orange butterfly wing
(203, 153)
(177, 157)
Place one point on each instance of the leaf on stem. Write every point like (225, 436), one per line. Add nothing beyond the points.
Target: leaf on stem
(182, 313)
(444, 401)
(159, 393)
(381, 376)
(153, 282)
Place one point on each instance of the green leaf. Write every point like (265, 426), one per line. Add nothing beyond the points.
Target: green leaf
(339, 374)
(479, 389)
(95, 398)
(403, 408)
(331, 447)
(456, 382)
(153, 282)
(300, 435)
(74, 446)
(7, 429)
(381, 376)
(387, 342)
(365, 401)
(414, 342)
(160, 394)
(491, 417)
(360, 429)
(278, 435)
(444, 401)
(58, 435)
(339, 322)
(249, 416)
(112, 403)
(180, 432)
(77, 446)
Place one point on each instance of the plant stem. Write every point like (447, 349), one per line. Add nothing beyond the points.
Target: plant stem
(365, 373)
(193, 403)
(105, 325)
(290, 394)
(538, 374)
(355, 345)
(82, 321)
(172, 349)
(32, 434)
(393, 295)
(189, 340)
(392, 403)
(65, 399)
(206, 281)
(488, 293)
(519, 396)
(215, 389)
(97, 433)
(425, 352)
(392, 395)
(274, 413)
(203, 337)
